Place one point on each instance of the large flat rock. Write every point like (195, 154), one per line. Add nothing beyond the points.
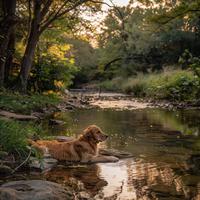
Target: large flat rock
(34, 190)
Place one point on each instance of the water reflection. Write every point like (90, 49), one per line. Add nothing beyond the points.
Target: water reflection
(86, 176)
(162, 142)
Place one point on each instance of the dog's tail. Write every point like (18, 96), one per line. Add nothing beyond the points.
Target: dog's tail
(36, 145)
(31, 142)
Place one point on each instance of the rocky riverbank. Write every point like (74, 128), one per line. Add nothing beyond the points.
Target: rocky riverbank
(120, 101)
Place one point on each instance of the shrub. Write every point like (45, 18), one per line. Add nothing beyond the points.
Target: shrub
(173, 85)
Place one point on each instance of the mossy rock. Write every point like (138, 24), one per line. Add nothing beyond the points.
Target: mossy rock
(3, 154)
(5, 170)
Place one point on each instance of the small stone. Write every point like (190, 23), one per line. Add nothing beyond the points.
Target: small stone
(56, 122)
(84, 195)
(44, 165)
(114, 152)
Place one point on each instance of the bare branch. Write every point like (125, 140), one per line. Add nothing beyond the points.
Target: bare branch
(60, 13)
(46, 8)
(171, 18)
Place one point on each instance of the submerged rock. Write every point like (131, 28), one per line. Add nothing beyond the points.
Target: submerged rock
(115, 153)
(34, 190)
(56, 122)
(45, 165)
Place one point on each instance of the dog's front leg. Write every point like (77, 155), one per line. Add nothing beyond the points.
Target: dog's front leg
(86, 158)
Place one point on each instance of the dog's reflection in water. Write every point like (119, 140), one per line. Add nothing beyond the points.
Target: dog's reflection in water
(88, 176)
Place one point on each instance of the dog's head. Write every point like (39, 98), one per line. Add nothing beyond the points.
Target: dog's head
(94, 133)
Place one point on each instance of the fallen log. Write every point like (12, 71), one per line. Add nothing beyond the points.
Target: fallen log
(11, 115)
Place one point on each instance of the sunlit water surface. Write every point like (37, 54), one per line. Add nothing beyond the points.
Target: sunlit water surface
(165, 145)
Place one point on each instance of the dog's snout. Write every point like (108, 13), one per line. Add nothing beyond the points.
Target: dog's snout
(106, 136)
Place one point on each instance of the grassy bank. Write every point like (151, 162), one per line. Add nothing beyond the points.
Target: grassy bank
(26, 103)
(14, 134)
(176, 85)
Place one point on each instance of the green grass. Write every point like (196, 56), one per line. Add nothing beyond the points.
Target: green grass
(112, 85)
(174, 85)
(25, 103)
(13, 136)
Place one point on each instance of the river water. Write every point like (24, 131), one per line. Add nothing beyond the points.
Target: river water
(165, 147)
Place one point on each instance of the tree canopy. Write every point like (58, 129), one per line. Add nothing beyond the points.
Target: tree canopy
(48, 44)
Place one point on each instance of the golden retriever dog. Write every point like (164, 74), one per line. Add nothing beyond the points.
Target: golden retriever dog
(84, 149)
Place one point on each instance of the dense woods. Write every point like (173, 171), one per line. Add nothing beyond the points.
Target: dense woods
(35, 33)
(132, 70)
(51, 45)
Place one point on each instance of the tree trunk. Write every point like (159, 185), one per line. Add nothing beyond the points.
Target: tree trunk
(27, 60)
(6, 28)
(30, 49)
(9, 58)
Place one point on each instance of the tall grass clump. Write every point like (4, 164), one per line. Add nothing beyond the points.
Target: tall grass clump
(173, 85)
(176, 85)
(13, 136)
(112, 85)
(135, 85)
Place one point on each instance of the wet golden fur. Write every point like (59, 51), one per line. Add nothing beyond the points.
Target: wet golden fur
(83, 149)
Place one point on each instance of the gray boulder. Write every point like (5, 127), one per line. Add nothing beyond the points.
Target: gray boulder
(34, 190)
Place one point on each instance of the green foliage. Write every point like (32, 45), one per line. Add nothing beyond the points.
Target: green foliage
(13, 136)
(146, 38)
(135, 86)
(174, 85)
(86, 59)
(187, 60)
(26, 103)
(195, 66)
(171, 85)
(112, 85)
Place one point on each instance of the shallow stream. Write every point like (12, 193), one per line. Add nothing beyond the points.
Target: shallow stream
(165, 145)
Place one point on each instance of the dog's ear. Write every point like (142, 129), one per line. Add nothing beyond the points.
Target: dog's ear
(87, 133)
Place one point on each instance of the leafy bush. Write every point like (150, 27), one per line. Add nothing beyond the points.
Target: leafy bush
(173, 85)
(55, 70)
